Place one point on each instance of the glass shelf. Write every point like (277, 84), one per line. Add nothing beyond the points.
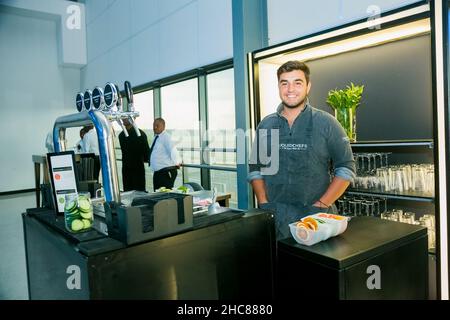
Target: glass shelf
(395, 143)
(405, 195)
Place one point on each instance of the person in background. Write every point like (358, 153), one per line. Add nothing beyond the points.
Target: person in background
(90, 142)
(49, 142)
(164, 159)
(302, 142)
(79, 147)
(135, 151)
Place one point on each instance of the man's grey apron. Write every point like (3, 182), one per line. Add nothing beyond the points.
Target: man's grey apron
(301, 179)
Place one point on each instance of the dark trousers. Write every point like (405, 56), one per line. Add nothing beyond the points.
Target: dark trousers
(133, 178)
(96, 167)
(164, 178)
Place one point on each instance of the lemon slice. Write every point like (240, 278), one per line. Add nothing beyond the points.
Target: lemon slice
(303, 233)
(311, 223)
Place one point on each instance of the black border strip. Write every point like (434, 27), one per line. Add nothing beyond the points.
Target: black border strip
(445, 35)
(435, 128)
(14, 192)
(436, 153)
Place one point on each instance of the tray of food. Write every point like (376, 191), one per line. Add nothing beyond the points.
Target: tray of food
(318, 227)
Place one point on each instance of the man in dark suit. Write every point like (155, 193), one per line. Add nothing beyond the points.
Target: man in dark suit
(135, 151)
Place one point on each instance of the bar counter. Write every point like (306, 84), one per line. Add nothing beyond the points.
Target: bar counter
(372, 259)
(224, 256)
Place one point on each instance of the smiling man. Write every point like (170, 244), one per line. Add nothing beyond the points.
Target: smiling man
(305, 142)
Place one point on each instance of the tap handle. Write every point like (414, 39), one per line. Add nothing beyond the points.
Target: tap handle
(119, 98)
(124, 129)
(129, 95)
(136, 129)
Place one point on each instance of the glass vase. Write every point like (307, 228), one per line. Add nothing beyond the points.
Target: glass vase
(347, 119)
(78, 212)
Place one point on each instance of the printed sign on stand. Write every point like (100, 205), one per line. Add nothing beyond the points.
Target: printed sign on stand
(63, 177)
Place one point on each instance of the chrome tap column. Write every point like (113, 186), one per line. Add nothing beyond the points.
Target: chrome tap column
(100, 107)
(129, 95)
(105, 144)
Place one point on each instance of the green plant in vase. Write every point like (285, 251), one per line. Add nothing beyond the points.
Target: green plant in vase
(345, 102)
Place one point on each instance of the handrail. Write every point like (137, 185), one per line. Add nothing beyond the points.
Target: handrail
(204, 166)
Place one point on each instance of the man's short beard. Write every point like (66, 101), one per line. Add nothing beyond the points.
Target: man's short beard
(295, 106)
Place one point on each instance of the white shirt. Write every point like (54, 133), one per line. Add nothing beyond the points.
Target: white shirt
(164, 153)
(79, 147)
(90, 141)
(49, 142)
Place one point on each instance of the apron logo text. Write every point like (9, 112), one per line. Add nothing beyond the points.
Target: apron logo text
(293, 146)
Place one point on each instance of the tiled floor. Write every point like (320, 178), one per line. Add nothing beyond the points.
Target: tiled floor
(13, 273)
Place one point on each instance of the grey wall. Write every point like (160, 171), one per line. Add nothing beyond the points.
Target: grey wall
(291, 19)
(145, 40)
(397, 98)
(34, 92)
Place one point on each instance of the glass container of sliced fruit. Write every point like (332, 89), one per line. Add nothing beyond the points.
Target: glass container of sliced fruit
(78, 212)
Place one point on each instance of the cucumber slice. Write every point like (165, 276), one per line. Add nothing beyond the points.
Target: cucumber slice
(77, 225)
(86, 215)
(72, 212)
(87, 223)
(71, 206)
(84, 210)
(84, 204)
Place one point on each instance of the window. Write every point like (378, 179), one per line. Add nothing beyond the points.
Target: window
(192, 175)
(143, 103)
(221, 118)
(179, 108)
(225, 182)
(221, 131)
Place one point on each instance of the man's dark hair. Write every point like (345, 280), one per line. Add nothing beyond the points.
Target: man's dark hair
(294, 65)
(161, 120)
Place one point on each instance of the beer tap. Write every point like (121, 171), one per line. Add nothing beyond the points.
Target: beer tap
(113, 102)
(129, 95)
(119, 106)
(79, 101)
(131, 117)
(98, 99)
(118, 111)
(87, 99)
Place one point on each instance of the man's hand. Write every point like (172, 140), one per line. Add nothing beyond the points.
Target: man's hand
(319, 204)
(335, 190)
